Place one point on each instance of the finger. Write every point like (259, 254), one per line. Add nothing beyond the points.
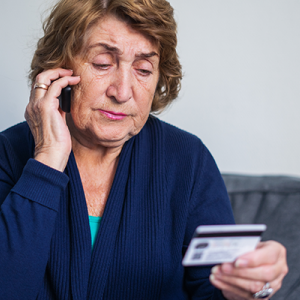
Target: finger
(239, 292)
(277, 283)
(262, 273)
(47, 77)
(56, 86)
(50, 97)
(266, 253)
(250, 286)
(257, 265)
(45, 102)
(228, 289)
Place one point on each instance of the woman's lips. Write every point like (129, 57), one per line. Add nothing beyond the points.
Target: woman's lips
(113, 115)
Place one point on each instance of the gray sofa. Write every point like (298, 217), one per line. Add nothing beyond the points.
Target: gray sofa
(274, 201)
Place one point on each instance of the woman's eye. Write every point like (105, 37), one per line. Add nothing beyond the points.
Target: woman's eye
(144, 72)
(101, 66)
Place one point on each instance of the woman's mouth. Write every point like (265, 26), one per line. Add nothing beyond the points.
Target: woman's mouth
(112, 115)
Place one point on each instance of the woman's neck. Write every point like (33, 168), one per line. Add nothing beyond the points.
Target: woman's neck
(95, 155)
(97, 168)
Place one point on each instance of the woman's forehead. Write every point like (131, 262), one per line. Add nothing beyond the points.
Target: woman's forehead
(116, 36)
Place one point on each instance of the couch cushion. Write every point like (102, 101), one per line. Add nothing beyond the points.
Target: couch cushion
(274, 201)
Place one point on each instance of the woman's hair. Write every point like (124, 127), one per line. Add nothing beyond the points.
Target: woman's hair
(69, 20)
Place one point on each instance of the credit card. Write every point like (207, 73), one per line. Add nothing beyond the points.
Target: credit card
(215, 244)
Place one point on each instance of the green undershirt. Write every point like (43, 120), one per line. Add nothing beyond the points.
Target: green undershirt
(94, 226)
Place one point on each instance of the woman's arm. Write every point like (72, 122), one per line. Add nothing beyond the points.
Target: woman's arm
(47, 121)
(239, 281)
(31, 189)
(209, 205)
(27, 220)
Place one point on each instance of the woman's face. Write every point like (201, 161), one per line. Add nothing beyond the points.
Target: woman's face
(119, 72)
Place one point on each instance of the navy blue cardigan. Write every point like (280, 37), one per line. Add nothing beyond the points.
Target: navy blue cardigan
(166, 184)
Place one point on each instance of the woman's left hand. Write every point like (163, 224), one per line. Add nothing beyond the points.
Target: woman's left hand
(250, 272)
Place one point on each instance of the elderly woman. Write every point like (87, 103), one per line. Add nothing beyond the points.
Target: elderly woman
(102, 202)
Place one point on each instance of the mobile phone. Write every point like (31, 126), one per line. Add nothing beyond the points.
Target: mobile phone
(215, 244)
(65, 99)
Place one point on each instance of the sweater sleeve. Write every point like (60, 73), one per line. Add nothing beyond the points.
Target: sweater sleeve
(209, 204)
(29, 199)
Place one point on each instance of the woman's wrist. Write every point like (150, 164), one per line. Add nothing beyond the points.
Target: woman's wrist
(54, 160)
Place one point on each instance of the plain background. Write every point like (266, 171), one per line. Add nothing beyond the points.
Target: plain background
(241, 87)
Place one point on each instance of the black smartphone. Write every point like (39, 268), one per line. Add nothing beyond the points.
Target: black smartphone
(65, 99)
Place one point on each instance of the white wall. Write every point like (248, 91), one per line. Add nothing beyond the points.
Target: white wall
(241, 88)
(20, 27)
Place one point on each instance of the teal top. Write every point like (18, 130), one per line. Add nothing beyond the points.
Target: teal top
(94, 226)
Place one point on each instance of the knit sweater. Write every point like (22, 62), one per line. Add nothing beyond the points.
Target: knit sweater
(166, 184)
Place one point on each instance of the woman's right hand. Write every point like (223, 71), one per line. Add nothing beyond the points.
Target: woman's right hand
(47, 121)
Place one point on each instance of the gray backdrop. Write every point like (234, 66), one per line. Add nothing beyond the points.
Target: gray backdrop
(240, 93)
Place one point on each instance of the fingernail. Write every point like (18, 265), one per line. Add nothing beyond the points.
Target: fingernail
(241, 263)
(212, 277)
(215, 269)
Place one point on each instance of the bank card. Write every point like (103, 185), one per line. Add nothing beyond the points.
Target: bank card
(215, 244)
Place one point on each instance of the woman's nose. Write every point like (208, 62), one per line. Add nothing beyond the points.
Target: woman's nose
(121, 85)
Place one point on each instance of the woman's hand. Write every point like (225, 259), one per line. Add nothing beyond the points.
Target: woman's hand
(47, 121)
(250, 272)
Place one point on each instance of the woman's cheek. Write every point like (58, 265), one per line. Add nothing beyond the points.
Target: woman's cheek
(90, 80)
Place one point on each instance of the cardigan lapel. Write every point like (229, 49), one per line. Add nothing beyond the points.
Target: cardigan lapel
(80, 234)
(103, 253)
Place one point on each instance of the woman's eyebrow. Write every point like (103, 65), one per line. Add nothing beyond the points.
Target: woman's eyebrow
(147, 55)
(106, 47)
(119, 52)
